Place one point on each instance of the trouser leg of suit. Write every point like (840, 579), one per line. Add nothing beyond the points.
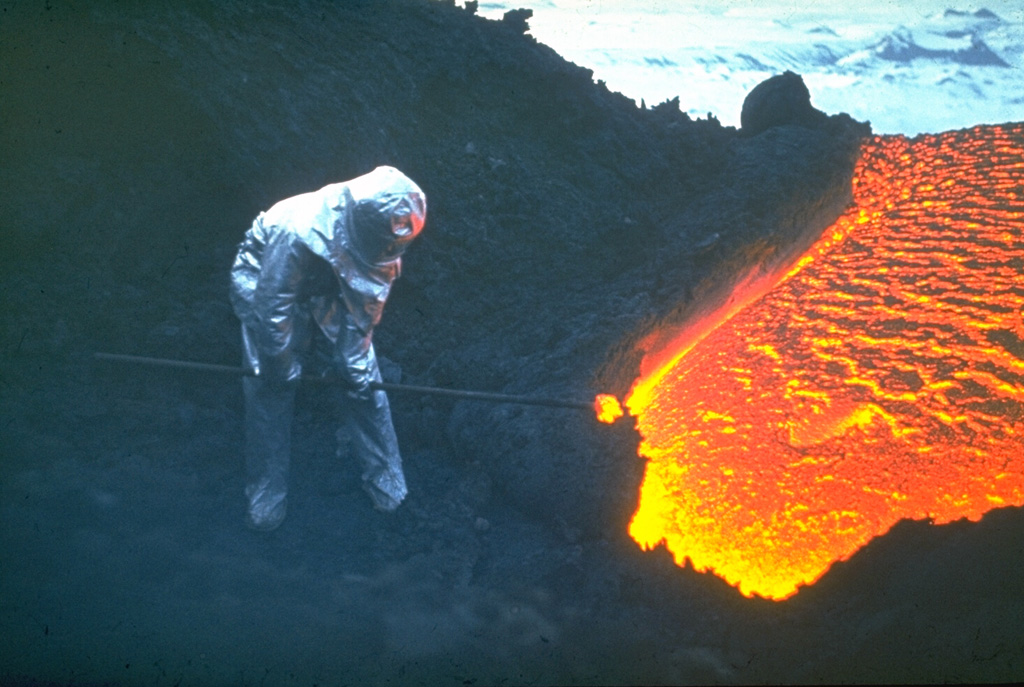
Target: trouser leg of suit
(369, 430)
(268, 435)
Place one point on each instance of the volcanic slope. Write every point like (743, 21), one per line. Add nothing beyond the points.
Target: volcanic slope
(565, 226)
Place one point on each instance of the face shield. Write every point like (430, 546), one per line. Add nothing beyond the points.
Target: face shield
(388, 215)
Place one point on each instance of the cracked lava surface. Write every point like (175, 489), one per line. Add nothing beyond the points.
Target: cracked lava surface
(881, 378)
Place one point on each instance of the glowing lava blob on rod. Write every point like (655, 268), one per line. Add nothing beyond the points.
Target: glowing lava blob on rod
(881, 379)
(607, 408)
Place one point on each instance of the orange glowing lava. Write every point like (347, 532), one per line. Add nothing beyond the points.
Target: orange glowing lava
(881, 379)
(608, 408)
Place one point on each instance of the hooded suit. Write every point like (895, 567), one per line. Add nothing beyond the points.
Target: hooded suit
(321, 263)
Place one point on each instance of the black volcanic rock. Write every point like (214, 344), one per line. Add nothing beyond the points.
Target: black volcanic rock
(777, 101)
(518, 20)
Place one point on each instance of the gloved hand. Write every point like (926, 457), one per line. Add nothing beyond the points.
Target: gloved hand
(359, 390)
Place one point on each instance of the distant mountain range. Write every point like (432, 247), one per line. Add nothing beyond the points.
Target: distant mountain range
(904, 73)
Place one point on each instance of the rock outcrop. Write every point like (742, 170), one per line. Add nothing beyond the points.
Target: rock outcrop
(778, 101)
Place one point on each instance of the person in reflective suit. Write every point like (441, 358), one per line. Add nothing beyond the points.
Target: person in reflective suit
(321, 263)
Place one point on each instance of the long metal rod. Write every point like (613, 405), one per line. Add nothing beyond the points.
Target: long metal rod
(239, 371)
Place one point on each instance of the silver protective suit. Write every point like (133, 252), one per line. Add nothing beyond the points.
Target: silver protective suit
(321, 263)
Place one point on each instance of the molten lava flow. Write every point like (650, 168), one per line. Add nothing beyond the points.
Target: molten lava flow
(881, 379)
(608, 408)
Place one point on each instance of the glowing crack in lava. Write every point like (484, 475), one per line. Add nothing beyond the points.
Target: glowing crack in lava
(882, 378)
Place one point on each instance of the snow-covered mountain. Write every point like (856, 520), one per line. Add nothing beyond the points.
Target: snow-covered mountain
(925, 68)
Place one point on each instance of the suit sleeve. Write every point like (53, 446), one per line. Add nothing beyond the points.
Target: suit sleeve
(276, 308)
(354, 355)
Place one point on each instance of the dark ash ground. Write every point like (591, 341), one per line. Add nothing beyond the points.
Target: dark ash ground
(137, 144)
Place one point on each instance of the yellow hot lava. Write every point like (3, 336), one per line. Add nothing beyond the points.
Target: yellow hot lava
(608, 408)
(881, 379)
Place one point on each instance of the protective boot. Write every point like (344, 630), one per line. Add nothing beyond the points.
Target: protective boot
(369, 432)
(268, 425)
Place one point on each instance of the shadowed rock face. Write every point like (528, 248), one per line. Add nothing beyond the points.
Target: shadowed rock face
(565, 227)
